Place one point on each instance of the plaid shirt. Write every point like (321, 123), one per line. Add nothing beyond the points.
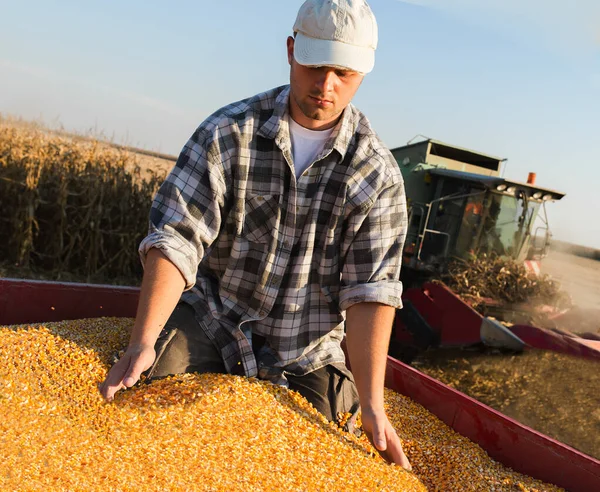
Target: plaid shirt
(268, 253)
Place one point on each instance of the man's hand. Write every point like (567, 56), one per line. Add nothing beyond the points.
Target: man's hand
(127, 371)
(382, 435)
(368, 328)
(162, 286)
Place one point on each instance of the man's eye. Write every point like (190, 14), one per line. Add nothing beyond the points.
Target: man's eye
(343, 74)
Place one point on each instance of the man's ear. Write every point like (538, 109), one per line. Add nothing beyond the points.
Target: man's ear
(290, 49)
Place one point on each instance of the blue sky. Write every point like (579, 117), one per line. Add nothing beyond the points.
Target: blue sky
(516, 79)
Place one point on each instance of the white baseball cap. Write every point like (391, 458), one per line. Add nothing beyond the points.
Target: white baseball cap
(339, 33)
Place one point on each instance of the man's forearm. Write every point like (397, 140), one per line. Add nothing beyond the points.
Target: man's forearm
(162, 287)
(368, 330)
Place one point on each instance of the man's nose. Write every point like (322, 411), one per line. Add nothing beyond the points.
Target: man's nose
(326, 80)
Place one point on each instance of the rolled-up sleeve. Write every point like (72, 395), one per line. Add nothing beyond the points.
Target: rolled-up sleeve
(372, 248)
(186, 212)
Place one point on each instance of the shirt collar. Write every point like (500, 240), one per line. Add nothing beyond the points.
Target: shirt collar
(276, 127)
(272, 128)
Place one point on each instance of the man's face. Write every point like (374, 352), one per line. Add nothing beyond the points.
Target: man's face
(318, 95)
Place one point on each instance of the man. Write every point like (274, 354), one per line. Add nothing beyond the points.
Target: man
(280, 227)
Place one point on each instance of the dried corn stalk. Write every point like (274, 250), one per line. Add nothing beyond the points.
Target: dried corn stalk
(71, 206)
(504, 282)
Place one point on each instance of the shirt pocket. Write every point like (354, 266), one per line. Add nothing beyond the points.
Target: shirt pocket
(263, 215)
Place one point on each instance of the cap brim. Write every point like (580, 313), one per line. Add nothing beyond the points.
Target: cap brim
(321, 52)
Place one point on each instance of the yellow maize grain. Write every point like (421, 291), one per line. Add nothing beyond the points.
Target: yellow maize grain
(199, 432)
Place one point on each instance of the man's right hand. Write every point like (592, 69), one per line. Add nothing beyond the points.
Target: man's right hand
(162, 286)
(127, 371)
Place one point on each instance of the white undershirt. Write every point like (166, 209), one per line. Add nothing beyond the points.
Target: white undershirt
(306, 145)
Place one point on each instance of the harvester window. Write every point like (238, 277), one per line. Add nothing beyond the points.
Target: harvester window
(507, 225)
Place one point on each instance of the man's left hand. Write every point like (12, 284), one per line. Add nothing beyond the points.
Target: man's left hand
(382, 435)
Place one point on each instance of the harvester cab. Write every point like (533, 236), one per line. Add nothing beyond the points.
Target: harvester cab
(459, 205)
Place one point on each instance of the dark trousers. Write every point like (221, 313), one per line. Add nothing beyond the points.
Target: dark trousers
(182, 346)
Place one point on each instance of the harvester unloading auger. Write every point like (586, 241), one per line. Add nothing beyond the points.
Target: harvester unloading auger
(460, 207)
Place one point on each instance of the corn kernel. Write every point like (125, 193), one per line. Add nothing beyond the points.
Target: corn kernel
(200, 432)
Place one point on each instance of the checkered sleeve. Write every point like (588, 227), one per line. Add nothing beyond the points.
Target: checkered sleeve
(186, 213)
(372, 247)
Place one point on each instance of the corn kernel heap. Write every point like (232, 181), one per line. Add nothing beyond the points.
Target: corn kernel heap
(191, 432)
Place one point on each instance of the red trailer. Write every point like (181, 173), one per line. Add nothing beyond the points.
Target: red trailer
(504, 439)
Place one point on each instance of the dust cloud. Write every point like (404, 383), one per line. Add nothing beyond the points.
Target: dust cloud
(578, 271)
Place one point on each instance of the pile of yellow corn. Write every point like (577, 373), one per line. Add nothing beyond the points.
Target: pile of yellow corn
(199, 432)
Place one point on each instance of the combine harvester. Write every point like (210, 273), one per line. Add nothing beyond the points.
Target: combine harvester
(458, 204)
(504, 439)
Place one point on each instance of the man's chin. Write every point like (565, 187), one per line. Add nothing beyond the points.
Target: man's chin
(320, 115)
(317, 116)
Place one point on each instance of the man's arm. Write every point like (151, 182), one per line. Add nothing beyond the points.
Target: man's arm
(368, 331)
(162, 286)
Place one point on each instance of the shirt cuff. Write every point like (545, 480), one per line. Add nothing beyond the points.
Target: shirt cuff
(177, 251)
(388, 292)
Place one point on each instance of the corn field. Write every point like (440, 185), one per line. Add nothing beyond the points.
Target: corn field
(76, 207)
